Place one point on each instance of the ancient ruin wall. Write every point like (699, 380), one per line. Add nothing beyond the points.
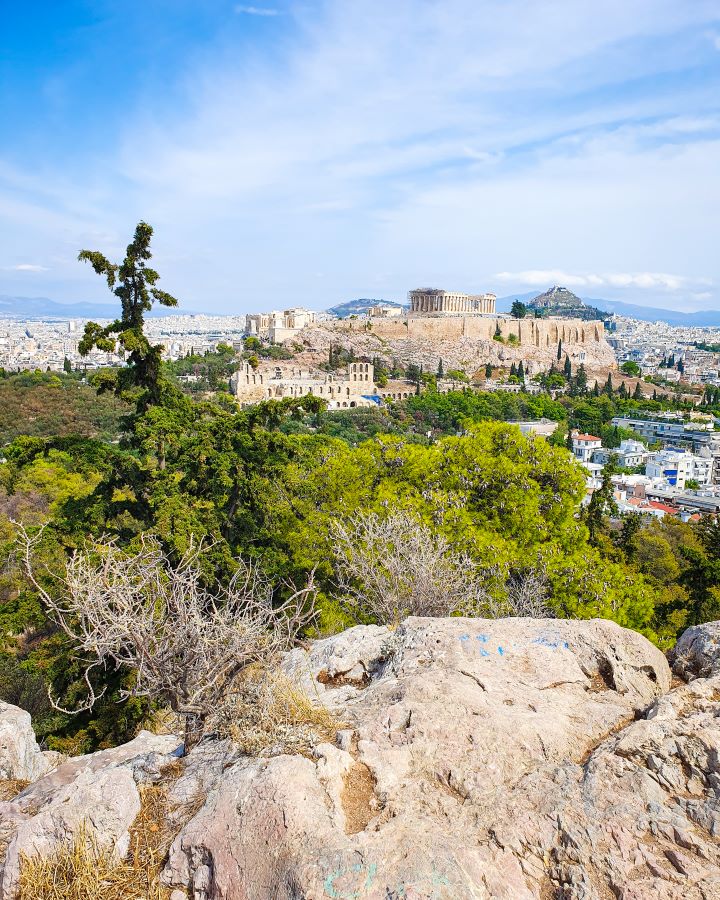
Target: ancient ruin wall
(540, 333)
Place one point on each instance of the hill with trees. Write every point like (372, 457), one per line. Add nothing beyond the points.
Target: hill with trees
(559, 301)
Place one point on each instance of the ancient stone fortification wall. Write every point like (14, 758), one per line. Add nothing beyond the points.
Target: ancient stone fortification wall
(540, 333)
(465, 342)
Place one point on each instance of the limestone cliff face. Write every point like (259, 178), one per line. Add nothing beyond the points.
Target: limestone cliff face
(522, 759)
(465, 342)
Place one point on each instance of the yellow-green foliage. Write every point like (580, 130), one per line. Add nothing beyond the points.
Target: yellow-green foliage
(508, 500)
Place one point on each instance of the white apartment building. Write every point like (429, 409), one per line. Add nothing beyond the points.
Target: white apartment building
(629, 454)
(677, 467)
(585, 445)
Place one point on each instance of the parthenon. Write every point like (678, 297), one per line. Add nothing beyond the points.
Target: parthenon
(434, 301)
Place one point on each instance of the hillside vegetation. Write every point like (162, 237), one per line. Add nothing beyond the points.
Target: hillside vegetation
(46, 404)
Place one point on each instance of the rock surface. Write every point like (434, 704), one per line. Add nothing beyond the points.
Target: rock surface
(509, 759)
(20, 757)
(468, 746)
(98, 791)
(697, 653)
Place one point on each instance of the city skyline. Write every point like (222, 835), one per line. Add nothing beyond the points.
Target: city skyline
(308, 153)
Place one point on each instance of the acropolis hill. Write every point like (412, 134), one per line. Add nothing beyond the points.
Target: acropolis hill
(463, 341)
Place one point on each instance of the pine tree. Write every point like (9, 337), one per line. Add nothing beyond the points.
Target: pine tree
(513, 370)
(567, 369)
(67, 365)
(608, 389)
(596, 390)
(559, 352)
(623, 390)
(521, 371)
(654, 393)
(440, 371)
(637, 393)
(488, 370)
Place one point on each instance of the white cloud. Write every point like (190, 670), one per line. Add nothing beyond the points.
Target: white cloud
(28, 267)
(257, 11)
(647, 280)
(424, 141)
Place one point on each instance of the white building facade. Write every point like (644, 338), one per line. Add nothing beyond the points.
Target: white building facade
(677, 467)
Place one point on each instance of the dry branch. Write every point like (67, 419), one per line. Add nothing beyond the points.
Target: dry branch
(397, 566)
(184, 643)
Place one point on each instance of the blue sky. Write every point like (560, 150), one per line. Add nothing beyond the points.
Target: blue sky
(313, 152)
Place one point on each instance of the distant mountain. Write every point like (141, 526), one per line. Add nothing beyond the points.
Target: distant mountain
(703, 318)
(43, 308)
(360, 307)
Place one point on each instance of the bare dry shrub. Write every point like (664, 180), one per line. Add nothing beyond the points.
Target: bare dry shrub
(264, 713)
(396, 566)
(184, 643)
(528, 593)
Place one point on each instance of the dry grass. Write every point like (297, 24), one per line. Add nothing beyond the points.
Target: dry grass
(358, 798)
(163, 721)
(265, 714)
(81, 869)
(11, 787)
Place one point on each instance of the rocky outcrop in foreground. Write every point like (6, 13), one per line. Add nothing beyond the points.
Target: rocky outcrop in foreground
(509, 759)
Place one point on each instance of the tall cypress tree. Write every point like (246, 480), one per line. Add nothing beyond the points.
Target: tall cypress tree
(133, 282)
(581, 379)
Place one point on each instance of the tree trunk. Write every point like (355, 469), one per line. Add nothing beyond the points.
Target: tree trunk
(194, 728)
